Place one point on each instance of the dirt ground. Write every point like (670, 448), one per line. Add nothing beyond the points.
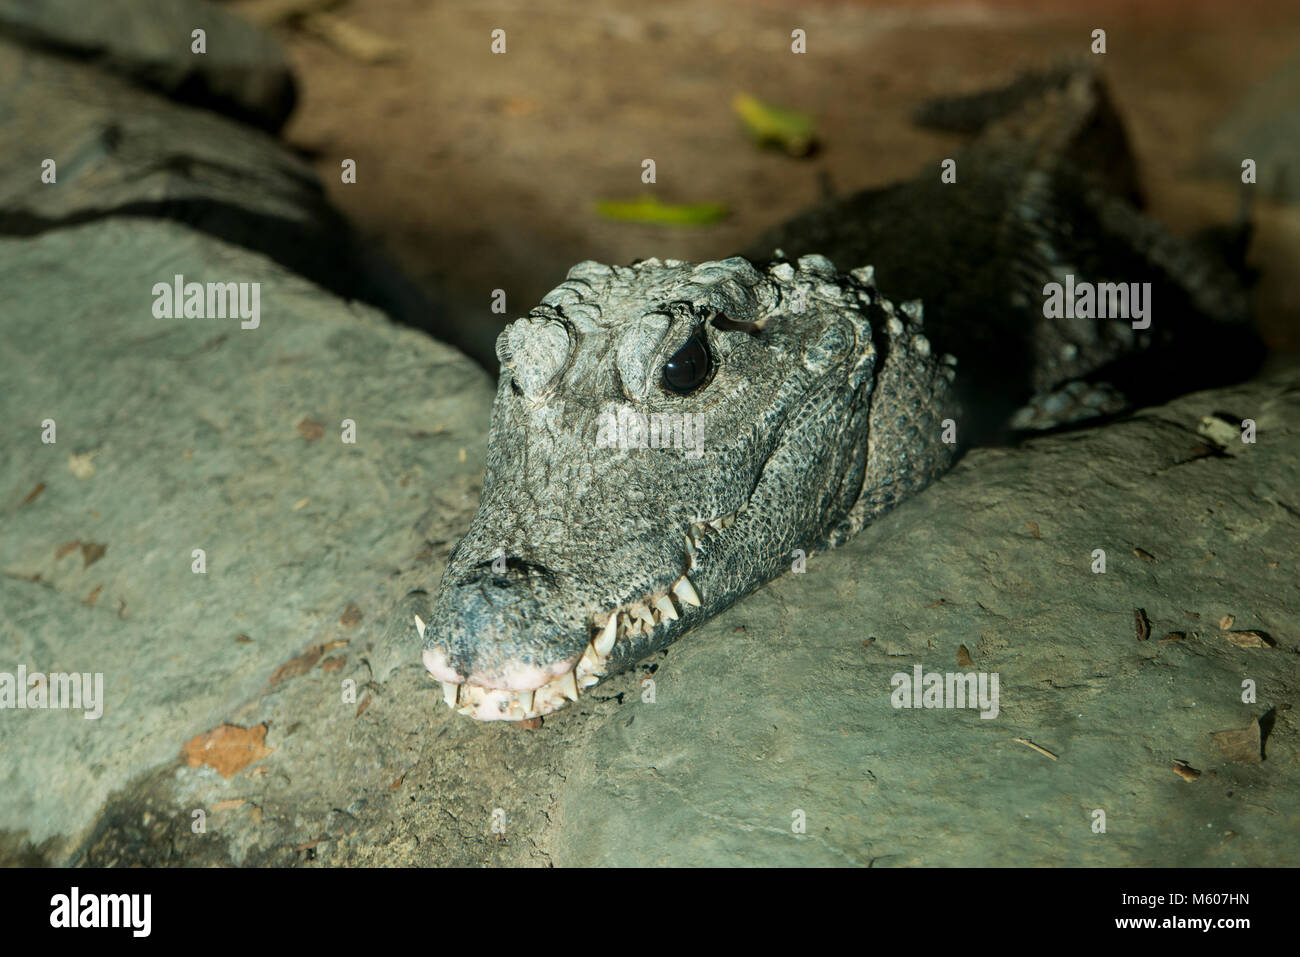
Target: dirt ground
(479, 171)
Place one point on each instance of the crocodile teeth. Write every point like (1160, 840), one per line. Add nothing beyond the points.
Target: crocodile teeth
(419, 625)
(589, 663)
(639, 610)
(567, 685)
(685, 591)
(664, 605)
(450, 691)
(604, 641)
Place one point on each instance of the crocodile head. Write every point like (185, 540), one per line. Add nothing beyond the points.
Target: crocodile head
(667, 437)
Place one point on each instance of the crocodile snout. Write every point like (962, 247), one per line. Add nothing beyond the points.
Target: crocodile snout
(496, 643)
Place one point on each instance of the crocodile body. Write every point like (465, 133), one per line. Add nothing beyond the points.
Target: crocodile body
(669, 436)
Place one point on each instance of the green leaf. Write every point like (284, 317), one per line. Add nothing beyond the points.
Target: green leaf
(648, 209)
(772, 126)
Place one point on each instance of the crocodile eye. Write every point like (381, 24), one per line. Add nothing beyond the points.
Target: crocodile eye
(689, 367)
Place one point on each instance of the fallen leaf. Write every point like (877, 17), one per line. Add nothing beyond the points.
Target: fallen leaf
(1174, 636)
(243, 639)
(82, 465)
(32, 495)
(92, 552)
(1226, 622)
(1186, 771)
(1142, 624)
(1248, 639)
(361, 708)
(397, 784)
(1144, 555)
(269, 13)
(518, 106)
(351, 616)
(1221, 433)
(1033, 529)
(1242, 744)
(93, 596)
(531, 724)
(350, 39)
(769, 125)
(310, 429)
(229, 804)
(296, 666)
(227, 749)
(648, 209)
(333, 664)
(66, 548)
(963, 657)
(1035, 747)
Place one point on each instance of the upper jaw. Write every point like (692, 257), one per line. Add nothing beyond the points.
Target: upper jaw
(613, 638)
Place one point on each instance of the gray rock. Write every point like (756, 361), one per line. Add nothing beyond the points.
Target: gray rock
(783, 705)
(243, 72)
(119, 150)
(183, 434)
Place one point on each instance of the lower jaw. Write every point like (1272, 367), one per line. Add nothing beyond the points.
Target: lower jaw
(628, 634)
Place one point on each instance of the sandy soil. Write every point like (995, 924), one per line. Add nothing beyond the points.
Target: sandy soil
(480, 171)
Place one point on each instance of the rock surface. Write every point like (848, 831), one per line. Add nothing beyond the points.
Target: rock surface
(122, 151)
(183, 434)
(243, 71)
(784, 703)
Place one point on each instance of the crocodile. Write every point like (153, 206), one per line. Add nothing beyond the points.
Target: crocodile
(668, 436)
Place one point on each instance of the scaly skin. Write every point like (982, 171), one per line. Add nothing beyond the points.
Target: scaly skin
(824, 408)
(826, 403)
